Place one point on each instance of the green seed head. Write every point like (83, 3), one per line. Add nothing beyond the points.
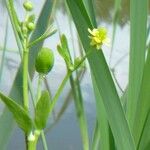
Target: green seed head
(44, 61)
(28, 5)
(31, 26)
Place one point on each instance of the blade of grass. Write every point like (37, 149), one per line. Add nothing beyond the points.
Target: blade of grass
(143, 105)
(16, 91)
(96, 137)
(117, 6)
(144, 143)
(78, 101)
(65, 104)
(104, 82)
(138, 19)
(4, 50)
(103, 125)
(89, 4)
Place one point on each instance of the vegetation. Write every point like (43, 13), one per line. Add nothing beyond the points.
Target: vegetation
(122, 121)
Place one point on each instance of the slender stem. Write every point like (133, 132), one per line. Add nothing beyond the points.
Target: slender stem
(11, 13)
(37, 98)
(32, 143)
(78, 101)
(41, 38)
(25, 75)
(44, 140)
(54, 100)
(4, 49)
(39, 88)
(83, 59)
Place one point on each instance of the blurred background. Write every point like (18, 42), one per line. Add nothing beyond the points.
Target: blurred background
(63, 130)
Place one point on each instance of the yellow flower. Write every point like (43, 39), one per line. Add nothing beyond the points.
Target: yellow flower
(98, 37)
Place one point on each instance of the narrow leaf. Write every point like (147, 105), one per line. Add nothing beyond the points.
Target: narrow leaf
(42, 110)
(138, 19)
(143, 105)
(20, 115)
(103, 79)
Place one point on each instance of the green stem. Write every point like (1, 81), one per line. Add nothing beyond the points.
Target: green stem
(44, 141)
(25, 76)
(13, 19)
(39, 87)
(83, 59)
(37, 98)
(54, 100)
(32, 144)
(78, 100)
(4, 50)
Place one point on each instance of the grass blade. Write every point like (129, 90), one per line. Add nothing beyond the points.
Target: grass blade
(138, 18)
(4, 50)
(104, 82)
(103, 125)
(144, 143)
(143, 105)
(96, 137)
(78, 101)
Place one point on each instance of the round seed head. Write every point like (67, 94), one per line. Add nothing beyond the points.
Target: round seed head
(28, 6)
(44, 61)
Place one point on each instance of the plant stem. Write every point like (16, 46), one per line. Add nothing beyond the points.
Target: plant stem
(44, 140)
(54, 100)
(25, 75)
(4, 50)
(32, 144)
(38, 95)
(78, 101)
(12, 16)
(37, 98)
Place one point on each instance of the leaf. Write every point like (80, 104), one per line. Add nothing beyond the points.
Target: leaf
(16, 91)
(64, 51)
(143, 105)
(42, 110)
(103, 79)
(80, 113)
(20, 115)
(144, 143)
(103, 126)
(138, 19)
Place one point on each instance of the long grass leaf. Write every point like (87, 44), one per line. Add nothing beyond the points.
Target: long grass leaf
(143, 105)
(144, 143)
(104, 82)
(96, 137)
(103, 125)
(78, 101)
(138, 19)
(4, 50)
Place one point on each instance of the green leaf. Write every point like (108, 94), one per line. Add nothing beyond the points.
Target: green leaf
(20, 115)
(103, 79)
(138, 19)
(96, 137)
(16, 91)
(80, 113)
(143, 105)
(103, 126)
(42, 110)
(64, 51)
(144, 143)
(89, 4)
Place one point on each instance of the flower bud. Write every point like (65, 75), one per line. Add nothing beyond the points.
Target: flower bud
(44, 61)
(31, 26)
(28, 5)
